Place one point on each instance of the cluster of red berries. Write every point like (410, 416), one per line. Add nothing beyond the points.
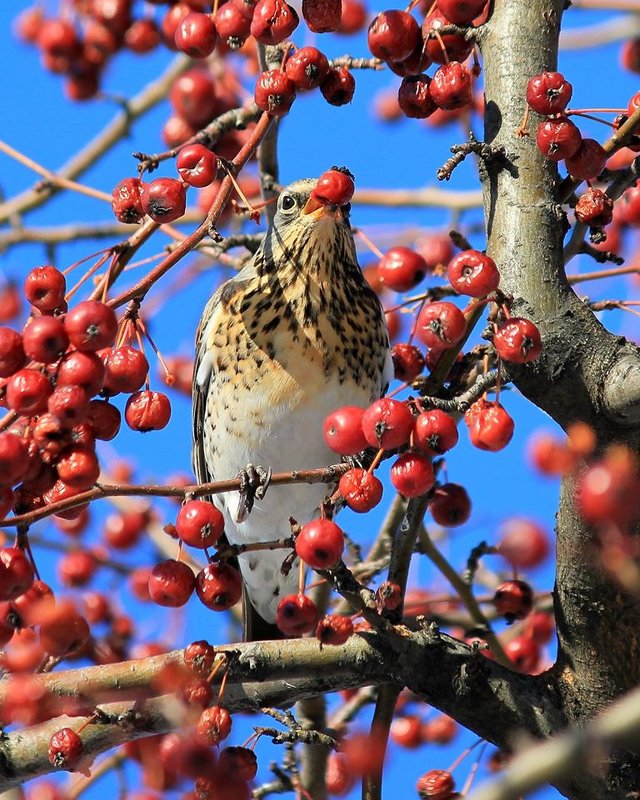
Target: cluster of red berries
(49, 373)
(396, 37)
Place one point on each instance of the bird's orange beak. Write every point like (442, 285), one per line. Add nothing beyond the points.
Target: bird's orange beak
(317, 209)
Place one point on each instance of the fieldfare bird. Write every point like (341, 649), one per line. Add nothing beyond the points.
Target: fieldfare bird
(295, 335)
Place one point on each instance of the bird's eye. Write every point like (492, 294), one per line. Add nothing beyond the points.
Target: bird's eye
(288, 202)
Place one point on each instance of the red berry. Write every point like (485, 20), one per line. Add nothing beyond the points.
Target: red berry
(450, 505)
(414, 97)
(44, 339)
(274, 92)
(196, 35)
(273, 21)
(197, 165)
(193, 97)
(200, 657)
(549, 93)
(441, 730)
(123, 530)
(524, 652)
(441, 324)
(408, 361)
(78, 467)
(34, 605)
(513, 600)
(65, 749)
(199, 524)
(588, 161)
(142, 36)
(58, 37)
(450, 87)
(103, 419)
(76, 568)
(595, 208)
(490, 426)
(322, 16)
(85, 370)
(393, 35)
(518, 340)
(147, 411)
(338, 87)
(239, 762)
(558, 138)
(407, 731)
(335, 186)
(219, 586)
(12, 356)
(164, 199)
(415, 64)
(437, 784)
(435, 432)
(214, 725)
(627, 208)
(461, 12)
(233, 28)
(361, 490)
(10, 302)
(387, 423)
(296, 614)
(44, 288)
(540, 627)
(401, 269)
(354, 16)
(171, 583)
(607, 491)
(473, 273)
(27, 391)
(125, 369)
(342, 431)
(16, 573)
(338, 777)
(91, 325)
(185, 754)
(334, 629)
(64, 631)
(125, 200)
(412, 475)
(320, 544)
(444, 47)
(523, 543)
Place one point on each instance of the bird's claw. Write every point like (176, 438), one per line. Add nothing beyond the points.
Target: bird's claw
(254, 482)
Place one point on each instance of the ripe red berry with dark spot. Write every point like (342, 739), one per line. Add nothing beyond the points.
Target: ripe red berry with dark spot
(334, 629)
(595, 208)
(307, 68)
(273, 21)
(334, 186)
(233, 28)
(513, 600)
(82, 369)
(125, 369)
(387, 423)
(406, 731)
(193, 98)
(338, 87)
(518, 340)
(558, 138)
(196, 35)
(274, 92)
(239, 762)
(437, 784)
(296, 614)
(444, 47)
(44, 339)
(44, 288)
(440, 324)
(65, 749)
(450, 87)
(401, 269)
(414, 97)
(524, 652)
(450, 505)
(200, 524)
(147, 411)
(393, 35)
(103, 419)
(588, 161)
(490, 426)
(320, 544)
(322, 16)
(197, 165)
(408, 361)
(361, 490)
(389, 595)
(412, 475)
(200, 657)
(27, 392)
(435, 432)
(214, 725)
(126, 202)
(164, 199)
(12, 356)
(16, 573)
(523, 543)
(461, 12)
(91, 325)
(171, 583)
(219, 586)
(343, 432)
(549, 93)
(473, 273)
